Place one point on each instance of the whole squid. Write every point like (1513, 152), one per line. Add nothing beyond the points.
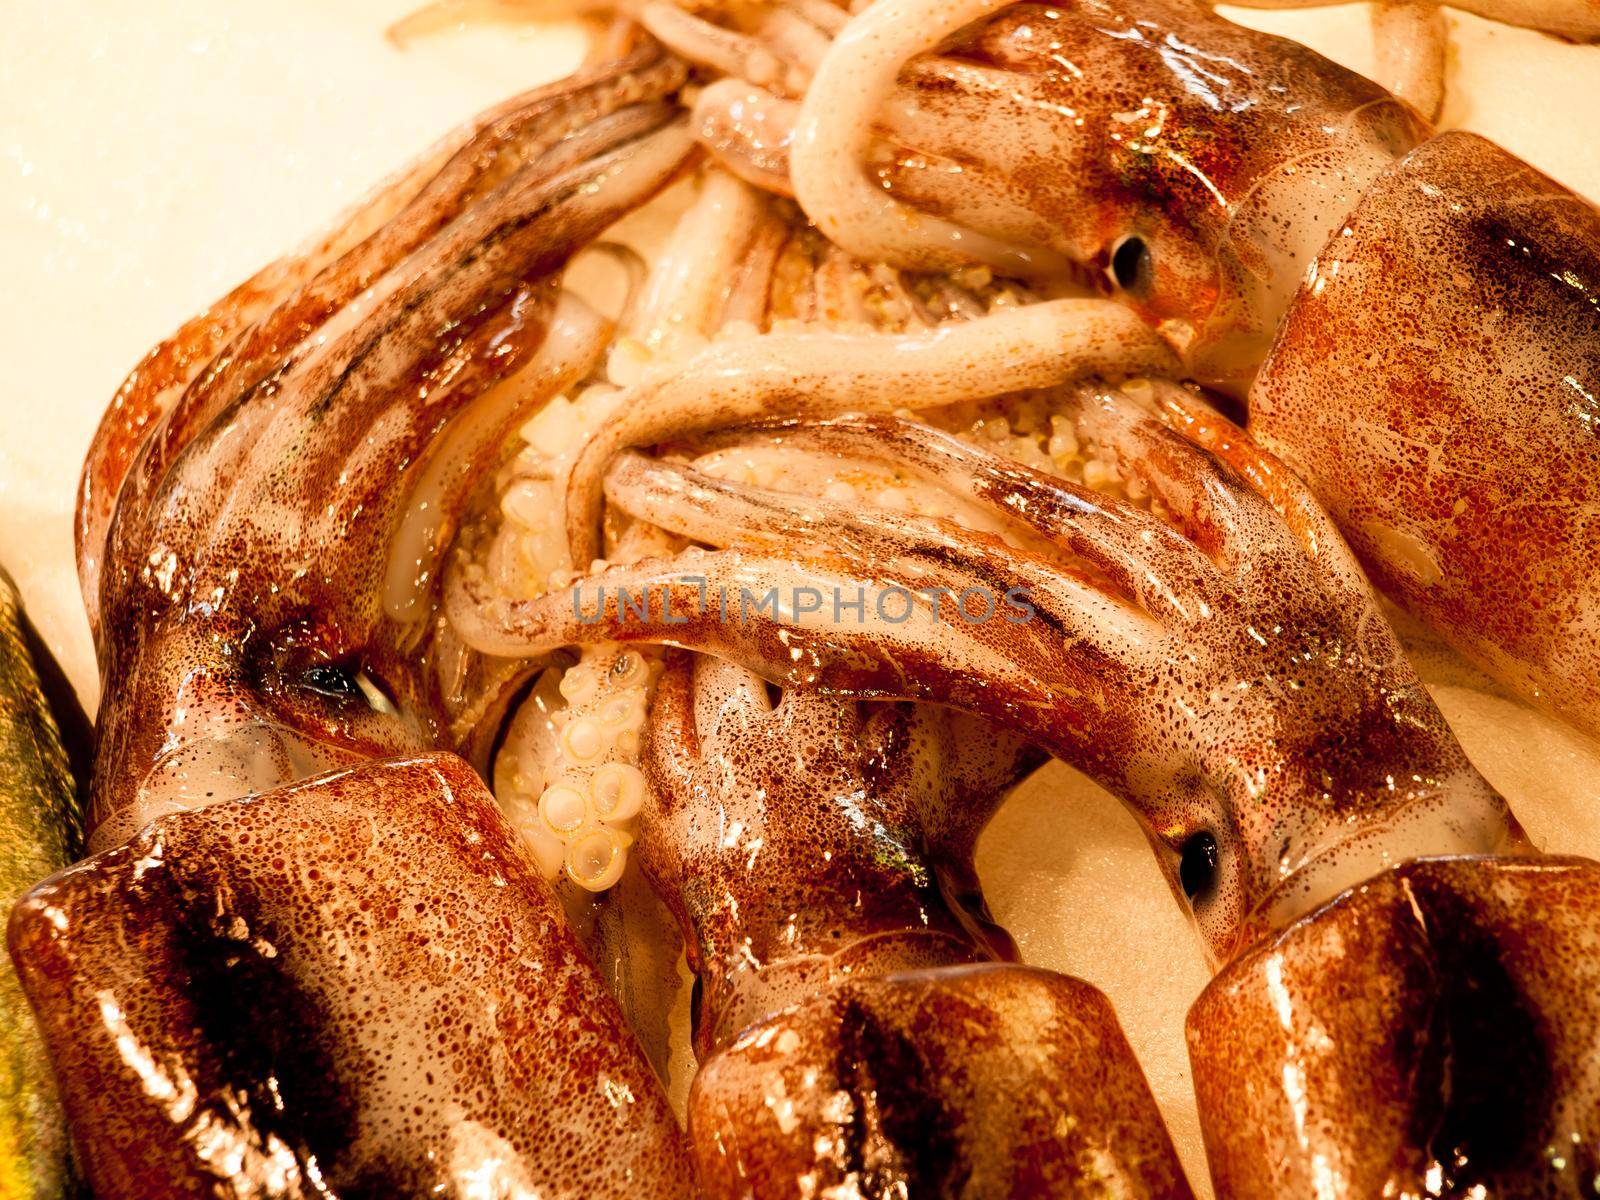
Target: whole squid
(1411, 321)
(267, 509)
(302, 983)
(861, 1024)
(1223, 668)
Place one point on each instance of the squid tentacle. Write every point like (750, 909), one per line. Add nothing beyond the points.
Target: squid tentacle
(813, 374)
(1412, 39)
(185, 382)
(1145, 558)
(1270, 724)
(680, 602)
(834, 130)
(709, 510)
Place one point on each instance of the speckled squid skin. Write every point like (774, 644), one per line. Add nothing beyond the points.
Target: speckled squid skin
(1231, 678)
(248, 632)
(1232, 154)
(1437, 383)
(813, 839)
(1428, 1033)
(1440, 393)
(1437, 376)
(854, 1028)
(968, 1081)
(357, 985)
(1318, 1049)
(240, 337)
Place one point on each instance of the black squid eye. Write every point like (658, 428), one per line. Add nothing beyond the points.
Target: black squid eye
(1131, 264)
(1197, 866)
(337, 681)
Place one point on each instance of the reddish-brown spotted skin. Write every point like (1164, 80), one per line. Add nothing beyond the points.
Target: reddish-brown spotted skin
(1437, 377)
(144, 398)
(240, 338)
(1222, 149)
(1426, 1026)
(977, 1081)
(1429, 1033)
(1438, 380)
(249, 632)
(353, 986)
(1437, 383)
(1233, 682)
(248, 337)
(856, 1035)
(1229, 154)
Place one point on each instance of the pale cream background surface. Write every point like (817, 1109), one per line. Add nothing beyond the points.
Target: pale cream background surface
(153, 154)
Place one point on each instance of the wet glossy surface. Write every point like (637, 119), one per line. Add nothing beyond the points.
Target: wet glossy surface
(854, 1032)
(1438, 386)
(1039, 912)
(1229, 156)
(248, 621)
(1428, 1034)
(1228, 674)
(358, 985)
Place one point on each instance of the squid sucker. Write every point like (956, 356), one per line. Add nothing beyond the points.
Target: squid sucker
(1019, 381)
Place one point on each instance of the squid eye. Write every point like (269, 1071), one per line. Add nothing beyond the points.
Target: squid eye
(1197, 866)
(337, 681)
(344, 683)
(1131, 265)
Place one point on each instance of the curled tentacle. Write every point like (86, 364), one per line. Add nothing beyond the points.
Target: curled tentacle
(237, 606)
(820, 374)
(1047, 139)
(1268, 716)
(1092, 531)
(819, 861)
(833, 133)
(1199, 172)
(354, 984)
(568, 777)
(574, 343)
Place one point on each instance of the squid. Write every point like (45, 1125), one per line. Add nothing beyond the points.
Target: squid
(264, 605)
(287, 537)
(275, 975)
(1410, 321)
(1223, 668)
(862, 1025)
(355, 985)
